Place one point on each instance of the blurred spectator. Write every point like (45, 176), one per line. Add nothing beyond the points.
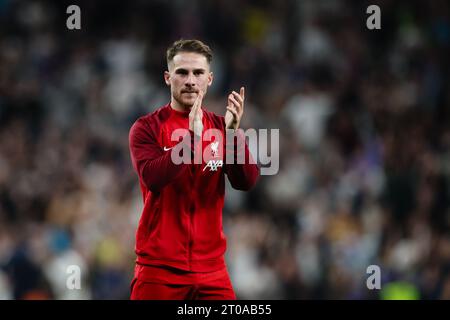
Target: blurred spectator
(364, 143)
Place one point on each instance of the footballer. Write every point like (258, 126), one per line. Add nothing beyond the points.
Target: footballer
(180, 243)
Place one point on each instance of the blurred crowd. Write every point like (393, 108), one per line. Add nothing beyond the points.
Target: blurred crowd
(364, 143)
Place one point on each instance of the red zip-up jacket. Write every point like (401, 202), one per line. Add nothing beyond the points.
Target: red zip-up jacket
(181, 222)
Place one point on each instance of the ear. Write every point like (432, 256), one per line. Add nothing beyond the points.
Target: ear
(167, 77)
(210, 79)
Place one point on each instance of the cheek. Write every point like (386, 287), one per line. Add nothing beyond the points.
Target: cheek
(204, 82)
(175, 83)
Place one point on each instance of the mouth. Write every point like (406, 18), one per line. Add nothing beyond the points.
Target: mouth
(188, 92)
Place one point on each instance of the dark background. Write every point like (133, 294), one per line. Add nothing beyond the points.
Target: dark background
(364, 143)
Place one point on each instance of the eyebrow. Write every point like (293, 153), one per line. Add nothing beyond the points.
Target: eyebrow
(183, 70)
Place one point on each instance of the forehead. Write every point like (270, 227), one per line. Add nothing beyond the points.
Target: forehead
(189, 60)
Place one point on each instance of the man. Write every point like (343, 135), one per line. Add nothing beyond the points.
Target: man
(180, 243)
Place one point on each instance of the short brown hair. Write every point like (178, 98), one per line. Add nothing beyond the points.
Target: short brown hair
(192, 45)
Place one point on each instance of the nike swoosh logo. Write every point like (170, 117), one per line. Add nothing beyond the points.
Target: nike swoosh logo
(167, 149)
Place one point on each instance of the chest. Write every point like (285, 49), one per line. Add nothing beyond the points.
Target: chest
(209, 159)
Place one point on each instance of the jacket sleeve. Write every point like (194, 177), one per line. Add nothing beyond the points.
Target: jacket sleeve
(242, 176)
(154, 166)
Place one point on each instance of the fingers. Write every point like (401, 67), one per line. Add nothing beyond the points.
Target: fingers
(234, 101)
(238, 97)
(196, 115)
(196, 107)
(233, 112)
(235, 104)
(235, 108)
(199, 106)
(198, 101)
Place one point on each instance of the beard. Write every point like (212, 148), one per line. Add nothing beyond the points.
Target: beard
(185, 99)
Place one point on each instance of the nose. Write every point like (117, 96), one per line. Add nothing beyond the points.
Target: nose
(190, 81)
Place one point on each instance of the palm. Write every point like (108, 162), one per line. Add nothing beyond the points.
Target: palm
(235, 109)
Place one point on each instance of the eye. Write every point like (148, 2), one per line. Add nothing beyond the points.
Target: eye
(198, 72)
(182, 72)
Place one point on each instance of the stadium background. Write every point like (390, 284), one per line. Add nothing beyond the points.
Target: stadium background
(364, 143)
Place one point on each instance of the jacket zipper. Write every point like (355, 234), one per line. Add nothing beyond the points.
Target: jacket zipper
(191, 212)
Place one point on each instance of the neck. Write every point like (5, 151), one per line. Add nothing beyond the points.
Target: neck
(178, 106)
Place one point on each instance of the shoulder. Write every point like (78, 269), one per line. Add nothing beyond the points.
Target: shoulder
(151, 122)
(156, 117)
(153, 119)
